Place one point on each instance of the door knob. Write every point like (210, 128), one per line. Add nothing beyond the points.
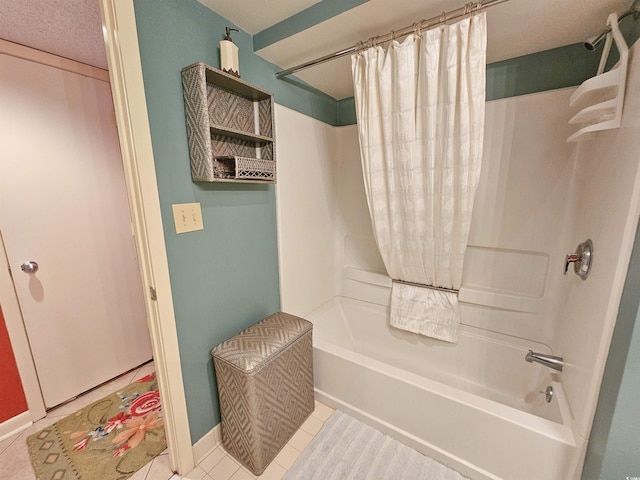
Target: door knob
(29, 267)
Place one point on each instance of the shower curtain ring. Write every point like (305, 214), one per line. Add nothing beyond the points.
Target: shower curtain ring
(416, 28)
(443, 18)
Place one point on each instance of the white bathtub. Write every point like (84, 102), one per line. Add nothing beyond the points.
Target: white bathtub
(473, 406)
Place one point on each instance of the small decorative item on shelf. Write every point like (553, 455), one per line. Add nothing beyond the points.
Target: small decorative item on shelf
(229, 54)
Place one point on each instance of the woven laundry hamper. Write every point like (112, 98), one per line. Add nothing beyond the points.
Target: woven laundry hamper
(265, 384)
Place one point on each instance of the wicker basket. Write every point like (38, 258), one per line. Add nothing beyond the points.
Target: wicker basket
(245, 168)
(265, 384)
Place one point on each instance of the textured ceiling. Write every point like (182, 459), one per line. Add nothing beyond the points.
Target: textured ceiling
(67, 28)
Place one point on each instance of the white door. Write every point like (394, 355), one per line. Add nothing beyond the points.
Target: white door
(63, 205)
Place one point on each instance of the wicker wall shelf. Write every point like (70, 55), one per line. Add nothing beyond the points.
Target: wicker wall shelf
(230, 127)
(240, 135)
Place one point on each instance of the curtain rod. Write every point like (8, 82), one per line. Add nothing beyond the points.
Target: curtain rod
(421, 25)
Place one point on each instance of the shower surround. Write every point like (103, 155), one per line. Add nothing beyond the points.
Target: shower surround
(538, 198)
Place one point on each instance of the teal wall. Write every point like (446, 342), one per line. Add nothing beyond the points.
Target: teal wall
(225, 277)
(316, 13)
(614, 445)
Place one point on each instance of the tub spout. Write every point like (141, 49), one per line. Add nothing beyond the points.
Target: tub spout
(550, 361)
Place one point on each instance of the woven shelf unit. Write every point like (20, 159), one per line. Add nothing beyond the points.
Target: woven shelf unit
(230, 127)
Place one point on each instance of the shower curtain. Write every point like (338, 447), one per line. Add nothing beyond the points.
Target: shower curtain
(420, 110)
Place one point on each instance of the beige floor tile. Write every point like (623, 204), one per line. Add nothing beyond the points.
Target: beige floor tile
(300, 440)
(15, 463)
(322, 411)
(273, 472)
(4, 444)
(287, 456)
(196, 474)
(242, 474)
(312, 425)
(142, 473)
(144, 370)
(224, 469)
(160, 468)
(212, 459)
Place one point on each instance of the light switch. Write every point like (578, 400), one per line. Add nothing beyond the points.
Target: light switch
(187, 217)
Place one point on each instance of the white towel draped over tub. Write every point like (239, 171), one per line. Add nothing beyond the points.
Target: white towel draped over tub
(420, 109)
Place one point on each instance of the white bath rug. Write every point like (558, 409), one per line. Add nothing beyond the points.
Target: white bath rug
(347, 449)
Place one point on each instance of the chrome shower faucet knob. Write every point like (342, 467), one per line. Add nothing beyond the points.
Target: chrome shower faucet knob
(581, 259)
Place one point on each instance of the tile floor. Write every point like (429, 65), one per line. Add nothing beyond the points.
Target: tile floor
(218, 465)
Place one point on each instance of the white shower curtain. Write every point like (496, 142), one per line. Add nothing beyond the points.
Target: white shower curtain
(420, 110)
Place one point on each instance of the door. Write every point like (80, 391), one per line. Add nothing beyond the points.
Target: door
(63, 206)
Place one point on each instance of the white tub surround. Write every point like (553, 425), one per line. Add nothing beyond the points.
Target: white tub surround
(538, 197)
(474, 406)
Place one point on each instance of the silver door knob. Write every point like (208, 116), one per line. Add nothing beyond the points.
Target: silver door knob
(29, 267)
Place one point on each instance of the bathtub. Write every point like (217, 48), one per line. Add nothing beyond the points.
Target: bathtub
(474, 406)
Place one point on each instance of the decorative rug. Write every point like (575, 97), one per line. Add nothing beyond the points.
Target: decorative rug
(109, 439)
(347, 449)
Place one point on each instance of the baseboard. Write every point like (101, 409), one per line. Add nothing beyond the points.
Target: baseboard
(207, 444)
(15, 425)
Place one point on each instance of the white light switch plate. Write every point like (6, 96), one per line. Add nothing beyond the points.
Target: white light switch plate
(187, 217)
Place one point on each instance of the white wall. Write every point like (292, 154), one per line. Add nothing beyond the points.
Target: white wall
(515, 260)
(306, 150)
(607, 205)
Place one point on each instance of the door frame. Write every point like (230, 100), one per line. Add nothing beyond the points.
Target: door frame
(125, 75)
(127, 86)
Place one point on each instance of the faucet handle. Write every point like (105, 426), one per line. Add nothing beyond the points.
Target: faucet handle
(581, 259)
(571, 258)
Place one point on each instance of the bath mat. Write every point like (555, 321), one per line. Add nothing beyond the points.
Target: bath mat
(109, 439)
(347, 449)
